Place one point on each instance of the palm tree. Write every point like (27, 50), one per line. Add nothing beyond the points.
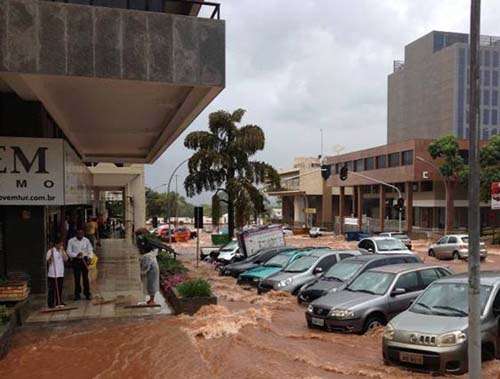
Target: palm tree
(221, 163)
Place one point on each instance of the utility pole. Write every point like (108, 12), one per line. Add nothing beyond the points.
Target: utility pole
(474, 331)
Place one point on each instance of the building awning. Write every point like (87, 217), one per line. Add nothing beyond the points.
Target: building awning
(286, 193)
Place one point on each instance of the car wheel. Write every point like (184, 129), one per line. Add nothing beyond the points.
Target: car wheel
(432, 253)
(372, 323)
(456, 255)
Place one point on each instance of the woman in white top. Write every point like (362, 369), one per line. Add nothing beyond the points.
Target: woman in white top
(56, 257)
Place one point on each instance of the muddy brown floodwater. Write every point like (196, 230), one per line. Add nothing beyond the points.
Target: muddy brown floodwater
(244, 336)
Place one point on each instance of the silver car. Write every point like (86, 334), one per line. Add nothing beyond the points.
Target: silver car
(304, 270)
(373, 298)
(383, 245)
(454, 246)
(432, 334)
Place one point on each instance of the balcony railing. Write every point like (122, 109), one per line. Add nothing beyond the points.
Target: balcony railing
(166, 6)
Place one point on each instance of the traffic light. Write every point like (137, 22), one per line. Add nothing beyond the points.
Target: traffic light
(400, 205)
(343, 173)
(326, 171)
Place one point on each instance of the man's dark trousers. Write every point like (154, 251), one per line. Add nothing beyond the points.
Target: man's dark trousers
(80, 270)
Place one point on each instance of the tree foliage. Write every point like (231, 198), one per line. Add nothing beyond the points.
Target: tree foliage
(452, 166)
(222, 161)
(157, 204)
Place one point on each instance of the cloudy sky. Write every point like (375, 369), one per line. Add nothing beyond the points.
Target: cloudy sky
(299, 66)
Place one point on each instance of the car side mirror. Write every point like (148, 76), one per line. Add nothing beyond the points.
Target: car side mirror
(398, 291)
(318, 271)
(370, 249)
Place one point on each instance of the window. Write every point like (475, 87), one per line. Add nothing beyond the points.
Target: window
(327, 262)
(428, 276)
(486, 97)
(381, 161)
(494, 98)
(495, 59)
(359, 165)
(486, 77)
(496, 302)
(408, 281)
(486, 116)
(494, 117)
(345, 256)
(442, 241)
(394, 160)
(367, 245)
(426, 186)
(486, 134)
(494, 79)
(407, 157)
(487, 58)
(349, 165)
(452, 239)
(337, 167)
(369, 163)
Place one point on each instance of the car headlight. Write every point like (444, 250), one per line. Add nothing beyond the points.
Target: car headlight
(310, 308)
(342, 314)
(451, 339)
(389, 332)
(284, 283)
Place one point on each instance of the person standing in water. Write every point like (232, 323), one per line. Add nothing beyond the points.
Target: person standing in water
(56, 257)
(150, 271)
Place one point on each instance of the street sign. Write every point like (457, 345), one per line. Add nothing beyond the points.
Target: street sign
(310, 211)
(495, 195)
(198, 217)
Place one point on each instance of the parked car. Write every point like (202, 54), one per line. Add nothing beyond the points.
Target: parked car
(432, 334)
(287, 231)
(454, 246)
(301, 271)
(372, 298)
(229, 253)
(383, 245)
(400, 236)
(256, 260)
(315, 232)
(272, 266)
(344, 272)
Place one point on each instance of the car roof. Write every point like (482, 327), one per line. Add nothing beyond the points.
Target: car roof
(372, 257)
(401, 267)
(487, 278)
(456, 235)
(378, 238)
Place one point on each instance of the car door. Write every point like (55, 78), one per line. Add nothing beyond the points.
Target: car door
(450, 246)
(325, 263)
(440, 246)
(410, 282)
(427, 276)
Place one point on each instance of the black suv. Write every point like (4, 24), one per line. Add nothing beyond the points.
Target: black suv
(344, 272)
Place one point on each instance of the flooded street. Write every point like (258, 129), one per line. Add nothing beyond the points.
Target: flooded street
(244, 336)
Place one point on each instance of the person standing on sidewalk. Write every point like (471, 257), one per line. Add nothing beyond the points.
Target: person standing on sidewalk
(80, 250)
(91, 231)
(55, 273)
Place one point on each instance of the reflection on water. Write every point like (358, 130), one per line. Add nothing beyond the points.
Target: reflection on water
(244, 336)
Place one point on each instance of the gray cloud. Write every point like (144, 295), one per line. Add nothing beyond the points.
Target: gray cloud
(298, 66)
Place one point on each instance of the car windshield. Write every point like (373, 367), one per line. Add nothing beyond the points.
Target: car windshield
(448, 299)
(390, 245)
(465, 239)
(279, 260)
(372, 282)
(230, 246)
(302, 264)
(401, 236)
(343, 271)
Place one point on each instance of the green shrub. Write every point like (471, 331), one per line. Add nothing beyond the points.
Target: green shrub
(170, 266)
(4, 314)
(195, 288)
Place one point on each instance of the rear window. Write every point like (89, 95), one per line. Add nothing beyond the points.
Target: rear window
(465, 239)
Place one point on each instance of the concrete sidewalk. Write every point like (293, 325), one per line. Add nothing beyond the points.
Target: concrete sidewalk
(116, 282)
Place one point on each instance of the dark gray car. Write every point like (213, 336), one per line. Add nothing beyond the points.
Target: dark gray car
(432, 334)
(303, 270)
(343, 273)
(373, 298)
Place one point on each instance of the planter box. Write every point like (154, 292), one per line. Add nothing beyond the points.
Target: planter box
(188, 305)
(14, 291)
(6, 332)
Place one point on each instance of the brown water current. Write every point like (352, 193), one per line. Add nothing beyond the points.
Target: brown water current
(244, 336)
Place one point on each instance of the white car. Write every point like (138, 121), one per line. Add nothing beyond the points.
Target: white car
(319, 232)
(383, 245)
(229, 253)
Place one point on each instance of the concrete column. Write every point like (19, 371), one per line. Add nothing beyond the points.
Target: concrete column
(326, 206)
(298, 210)
(354, 201)
(127, 212)
(381, 212)
(409, 206)
(138, 192)
(341, 209)
(359, 206)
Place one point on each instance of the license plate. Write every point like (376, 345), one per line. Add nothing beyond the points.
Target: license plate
(318, 321)
(417, 359)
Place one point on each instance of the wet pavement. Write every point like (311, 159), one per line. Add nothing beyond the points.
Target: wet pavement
(114, 284)
(244, 336)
